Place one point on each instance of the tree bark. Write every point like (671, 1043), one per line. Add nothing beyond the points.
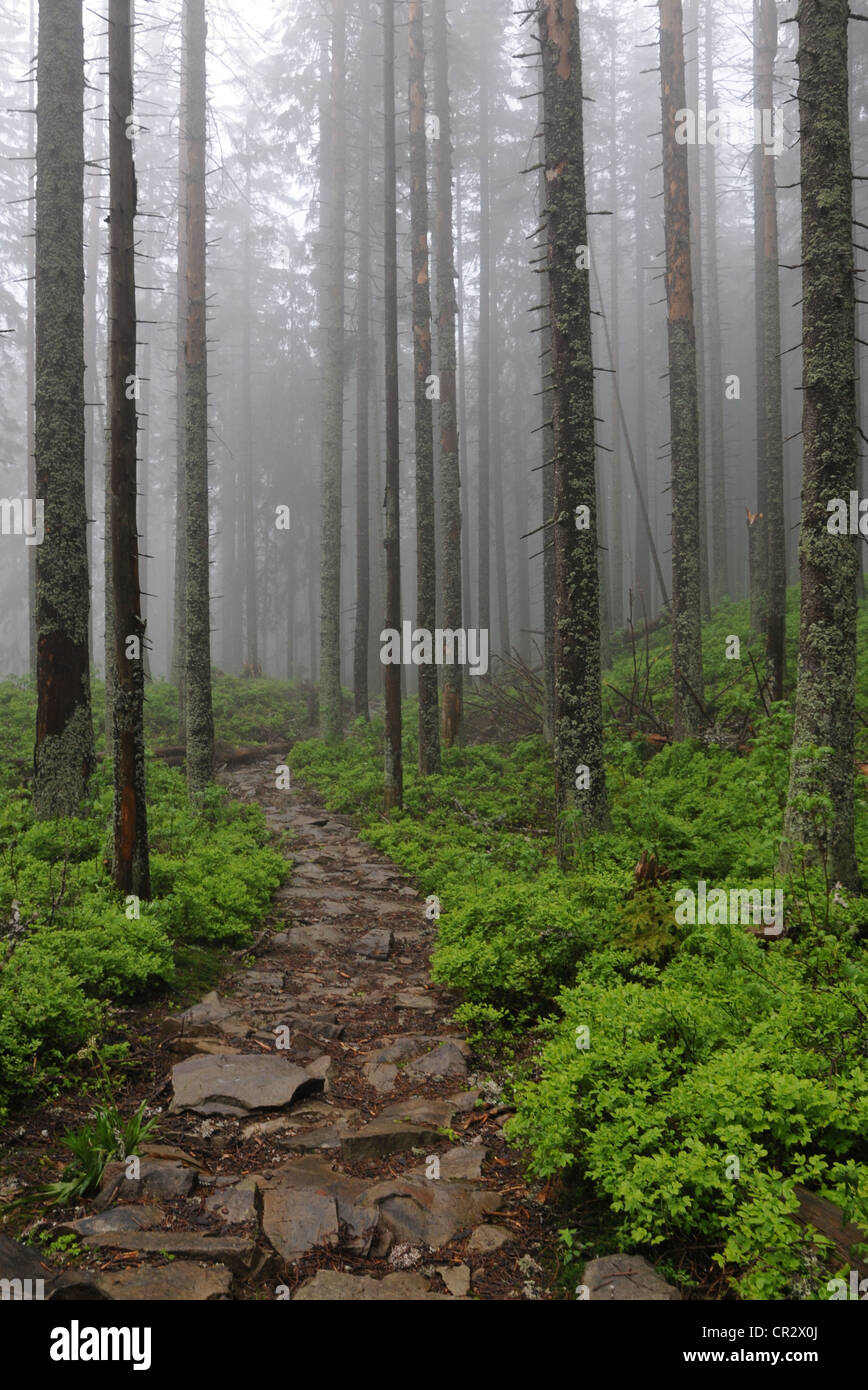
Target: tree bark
(686, 596)
(64, 752)
(447, 310)
(333, 387)
(582, 809)
(483, 556)
(131, 865)
(426, 564)
(719, 577)
(823, 732)
(776, 602)
(393, 755)
(200, 720)
(363, 396)
(179, 625)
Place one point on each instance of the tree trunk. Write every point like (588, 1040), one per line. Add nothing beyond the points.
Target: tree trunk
(426, 564)
(251, 588)
(825, 715)
(719, 544)
(363, 396)
(393, 755)
(686, 619)
(447, 309)
(31, 370)
(463, 452)
(776, 602)
(200, 720)
(131, 866)
(691, 82)
(332, 318)
(483, 557)
(580, 778)
(179, 625)
(64, 752)
(548, 489)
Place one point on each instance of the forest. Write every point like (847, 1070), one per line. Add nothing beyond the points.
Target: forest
(433, 654)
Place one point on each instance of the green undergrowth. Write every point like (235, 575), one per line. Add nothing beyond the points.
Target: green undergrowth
(71, 947)
(690, 1076)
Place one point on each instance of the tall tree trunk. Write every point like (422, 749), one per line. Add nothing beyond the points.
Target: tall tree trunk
(548, 485)
(447, 309)
(363, 396)
(179, 625)
(426, 563)
(500, 567)
(719, 542)
(64, 752)
(825, 698)
(393, 754)
(691, 82)
(251, 591)
(200, 720)
(333, 387)
(31, 366)
(642, 569)
(483, 558)
(776, 603)
(686, 620)
(131, 865)
(463, 451)
(580, 777)
(616, 538)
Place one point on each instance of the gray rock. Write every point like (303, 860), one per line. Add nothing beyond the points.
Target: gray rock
(227, 1085)
(160, 1178)
(295, 1220)
(626, 1279)
(261, 979)
(199, 1019)
(138, 1218)
(485, 1239)
(384, 1136)
(377, 944)
(181, 1281)
(334, 1287)
(380, 1075)
(462, 1163)
(236, 1204)
(456, 1278)
(425, 1110)
(430, 1213)
(314, 1177)
(445, 1060)
(234, 1251)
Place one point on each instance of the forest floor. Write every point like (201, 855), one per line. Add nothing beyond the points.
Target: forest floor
(322, 1133)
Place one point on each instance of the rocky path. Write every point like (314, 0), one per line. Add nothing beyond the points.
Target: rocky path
(322, 1134)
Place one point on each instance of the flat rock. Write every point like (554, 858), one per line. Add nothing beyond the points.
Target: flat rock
(456, 1278)
(423, 1110)
(380, 1075)
(158, 1177)
(386, 1135)
(416, 999)
(201, 1018)
(462, 1163)
(314, 1177)
(232, 1085)
(431, 1213)
(333, 1287)
(297, 1219)
(181, 1281)
(409, 1045)
(234, 1251)
(315, 934)
(235, 1205)
(377, 944)
(486, 1239)
(133, 1218)
(626, 1279)
(261, 979)
(445, 1060)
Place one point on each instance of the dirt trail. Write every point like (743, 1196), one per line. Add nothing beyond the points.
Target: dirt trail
(323, 1133)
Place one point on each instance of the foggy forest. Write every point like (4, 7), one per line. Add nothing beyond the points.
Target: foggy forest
(433, 652)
